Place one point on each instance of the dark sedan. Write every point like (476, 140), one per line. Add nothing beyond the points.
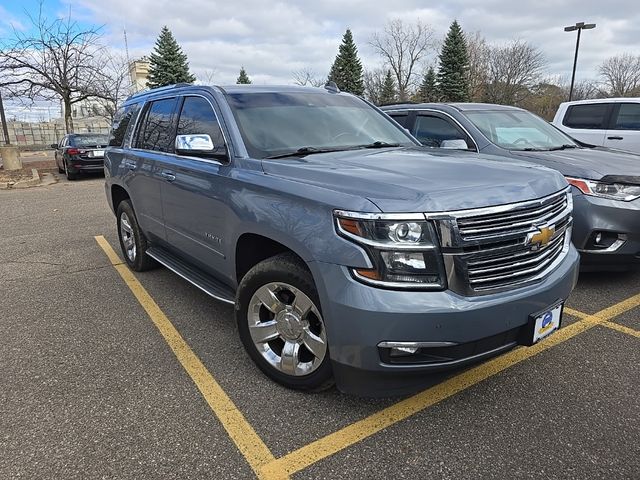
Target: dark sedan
(606, 183)
(80, 153)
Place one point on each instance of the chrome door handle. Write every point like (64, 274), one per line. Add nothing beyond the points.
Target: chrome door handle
(168, 176)
(129, 164)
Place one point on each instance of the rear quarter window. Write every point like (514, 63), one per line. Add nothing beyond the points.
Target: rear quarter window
(589, 116)
(122, 120)
(628, 117)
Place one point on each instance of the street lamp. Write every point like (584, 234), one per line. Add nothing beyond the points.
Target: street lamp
(579, 27)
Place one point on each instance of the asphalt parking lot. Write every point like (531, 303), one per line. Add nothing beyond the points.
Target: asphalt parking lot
(106, 374)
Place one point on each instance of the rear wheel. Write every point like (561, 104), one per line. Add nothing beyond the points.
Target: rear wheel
(281, 325)
(70, 176)
(132, 241)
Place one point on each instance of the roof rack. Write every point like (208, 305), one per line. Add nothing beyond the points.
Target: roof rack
(159, 89)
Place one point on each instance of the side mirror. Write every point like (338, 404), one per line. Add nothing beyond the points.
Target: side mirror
(454, 144)
(54, 146)
(198, 145)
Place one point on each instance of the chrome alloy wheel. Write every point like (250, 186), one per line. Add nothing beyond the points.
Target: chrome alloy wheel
(128, 239)
(287, 329)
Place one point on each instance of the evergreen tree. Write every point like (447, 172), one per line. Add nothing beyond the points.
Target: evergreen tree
(453, 79)
(243, 78)
(388, 93)
(346, 70)
(168, 64)
(428, 91)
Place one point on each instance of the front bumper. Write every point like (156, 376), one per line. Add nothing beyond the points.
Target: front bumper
(594, 214)
(359, 317)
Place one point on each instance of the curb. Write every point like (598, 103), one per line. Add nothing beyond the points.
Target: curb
(35, 180)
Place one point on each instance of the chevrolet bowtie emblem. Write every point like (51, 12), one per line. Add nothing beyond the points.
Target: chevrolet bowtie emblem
(541, 238)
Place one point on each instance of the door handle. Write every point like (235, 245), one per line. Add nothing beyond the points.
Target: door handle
(129, 164)
(615, 138)
(168, 176)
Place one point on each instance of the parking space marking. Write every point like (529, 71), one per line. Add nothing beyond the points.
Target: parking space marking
(241, 432)
(333, 443)
(622, 328)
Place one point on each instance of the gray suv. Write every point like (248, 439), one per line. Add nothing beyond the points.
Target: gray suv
(352, 254)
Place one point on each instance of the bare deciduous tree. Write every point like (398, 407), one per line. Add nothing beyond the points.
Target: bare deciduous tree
(514, 69)
(479, 53)
(52, 60)
(403, 47)
(373, 85)
(621, 75)
(206, 77)
(113, 85)
(306, 76)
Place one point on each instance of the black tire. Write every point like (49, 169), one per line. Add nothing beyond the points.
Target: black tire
(140, 261)
(289, 269)
(70, 176)
(60, 169)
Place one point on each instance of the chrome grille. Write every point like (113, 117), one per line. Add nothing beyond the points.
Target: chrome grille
(499, 248)
(513, 221)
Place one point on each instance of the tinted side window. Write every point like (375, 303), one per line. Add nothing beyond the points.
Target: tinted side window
(628, 117)
(124, 117)
(401, 118)
(157, 129)
(591, 116)
(431, 131)
(198, 117)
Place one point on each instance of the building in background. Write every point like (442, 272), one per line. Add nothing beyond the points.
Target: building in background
(139, 73)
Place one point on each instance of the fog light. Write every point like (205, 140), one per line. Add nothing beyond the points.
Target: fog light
(402, 351)
(598, 238)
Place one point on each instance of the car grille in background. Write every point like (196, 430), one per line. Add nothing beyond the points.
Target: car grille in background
(490, 250)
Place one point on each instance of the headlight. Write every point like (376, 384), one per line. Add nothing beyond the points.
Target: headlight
(403, 249)
(613, 191)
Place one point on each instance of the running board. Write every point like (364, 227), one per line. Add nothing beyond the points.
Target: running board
(204, 282)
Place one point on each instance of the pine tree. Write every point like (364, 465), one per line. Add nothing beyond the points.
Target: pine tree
(428, 91)
(453, 80)
(388, 93)
(243, 78)
(346, 70)
(168, 64)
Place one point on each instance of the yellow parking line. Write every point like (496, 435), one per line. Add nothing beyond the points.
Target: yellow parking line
(622, 328)
(243, 435)
(308, 455)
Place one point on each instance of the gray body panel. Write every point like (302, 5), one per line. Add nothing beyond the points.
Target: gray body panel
(203, 213)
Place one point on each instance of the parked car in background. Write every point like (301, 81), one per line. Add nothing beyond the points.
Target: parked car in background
(351, 253)
(80, 153)
(606, 122)
(606, 183)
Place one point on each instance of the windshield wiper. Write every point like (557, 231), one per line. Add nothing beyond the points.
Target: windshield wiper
(563, 147)
(378, 144)
(301, 152)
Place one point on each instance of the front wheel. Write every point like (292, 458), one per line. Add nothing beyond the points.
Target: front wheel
(281, 325)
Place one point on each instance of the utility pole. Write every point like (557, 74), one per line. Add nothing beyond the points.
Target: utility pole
(579, 27)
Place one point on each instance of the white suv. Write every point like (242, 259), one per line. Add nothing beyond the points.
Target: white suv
(608, 122)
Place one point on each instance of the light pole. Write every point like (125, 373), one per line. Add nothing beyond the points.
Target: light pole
(579, 27)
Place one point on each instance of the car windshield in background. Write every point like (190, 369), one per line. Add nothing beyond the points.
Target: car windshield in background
(518, 130)
(90, 140)
(282, 124)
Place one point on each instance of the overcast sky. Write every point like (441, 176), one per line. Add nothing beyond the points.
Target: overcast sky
(272, 39)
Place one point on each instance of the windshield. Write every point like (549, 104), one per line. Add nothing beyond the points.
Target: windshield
(89, 140)
(519, 130)
(275, 124)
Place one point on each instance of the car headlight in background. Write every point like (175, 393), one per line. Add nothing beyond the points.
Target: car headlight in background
(613, 191)
(403, 249)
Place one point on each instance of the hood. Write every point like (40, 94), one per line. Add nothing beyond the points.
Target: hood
(590, 163)
(417, 180)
